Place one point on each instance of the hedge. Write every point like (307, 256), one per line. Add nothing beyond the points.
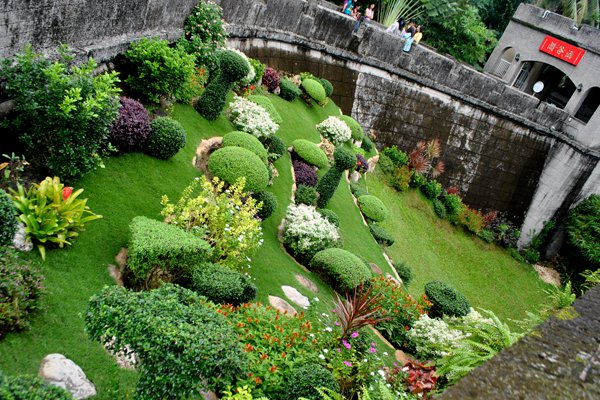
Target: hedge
(266, 103)
(221, 284)
(373, 208)
(246, 141)
(343, 269)
(231, 163)
(288, 90)
(269, 203)
(432, 189)
(314, 89)
(310, 152)
(166, 138)
(30, 388)
(358, 132)
(306, 195)
(381, 236)
(446, 300)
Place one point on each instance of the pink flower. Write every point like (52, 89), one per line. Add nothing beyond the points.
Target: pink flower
(372, 349)
(348, 363)
(66, 192)
(346, 344)
(337, 323)
(354, 335)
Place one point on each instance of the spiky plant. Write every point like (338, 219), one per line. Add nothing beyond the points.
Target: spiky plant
(358, 309)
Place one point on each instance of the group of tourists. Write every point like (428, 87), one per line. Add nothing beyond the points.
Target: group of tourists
(410, 33)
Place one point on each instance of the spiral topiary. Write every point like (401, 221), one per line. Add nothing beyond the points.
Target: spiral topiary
(131, 129)
(343, 159)
(231, 163)
(247, 141)
(314, 89)
(166, 138)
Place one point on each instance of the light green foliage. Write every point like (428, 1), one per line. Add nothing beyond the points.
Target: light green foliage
(357, 131)
(314, 89)
(173, 333)
(373, 208)
(166, 138)
(62, 112)
(159, 252)
(454, 205)
(232, 163)
(310, 152)
(560, 297)
(159, 70)
(264, 102)
(224, 218)
(393, 10)
(343, 269)
(30, 388)
(52, 213)
(432, 189)
(592, 278)
(583, 229)
(247, 141)
(259, 70)
(240, 393)
(582, 11)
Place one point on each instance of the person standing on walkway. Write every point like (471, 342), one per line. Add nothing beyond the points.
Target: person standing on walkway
(348, 6)
(409, 36)
(418, 35)
(369, 15)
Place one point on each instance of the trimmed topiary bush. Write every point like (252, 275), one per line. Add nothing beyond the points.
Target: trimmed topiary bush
(398, 157)
(166, 138)
(343, 269)
(343, 159)
(265, 102)
(305, 174)
(271, 79)
(446, 300)
(432, 189)
(275, 146)
(439, 208)
(380, 235)
(373, 208)
(314, 89)
(404, 272)
(310, 152)
(269, 203)
(306, 378)
(222, 284)
(231, 163)
(330, 216)
(306, 195)
(30, 388)
(160, 252)
(288, 90)
(232, 66)
(327, 86)
(357, 190)
(251, 118)
(130, 131)
(246, 141)
(8, 219)
(358, 133)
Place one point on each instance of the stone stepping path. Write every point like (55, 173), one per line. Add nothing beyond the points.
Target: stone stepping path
(280, 304)
(295, 296)
(307, 283)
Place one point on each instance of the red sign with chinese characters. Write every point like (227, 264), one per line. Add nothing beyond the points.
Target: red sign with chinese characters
(562, 50)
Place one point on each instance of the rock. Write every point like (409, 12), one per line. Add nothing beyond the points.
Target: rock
(125, 358)
(354, 176)
(296, 297)
(376, 269)
(203, 151)
(115, 273)
(372, 162)
(401, 357)
(121, 258)
(548, 275)
(307, 283)
(21, 241)
(282, 305)
(59, 371)
(209, 395)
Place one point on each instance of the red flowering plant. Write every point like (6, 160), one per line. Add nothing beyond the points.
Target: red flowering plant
(414, 377)
(362, 165)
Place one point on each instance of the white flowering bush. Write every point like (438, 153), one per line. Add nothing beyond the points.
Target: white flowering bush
(307, 232)
(251, 118)
(249, 78)
(334, 129)
(430, 336)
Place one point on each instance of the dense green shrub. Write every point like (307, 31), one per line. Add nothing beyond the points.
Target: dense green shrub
(381, 236)
(247, 141)
(358, 190)
(400, 177)
(343, 159)
(327, 86)
(8, 219)
(446, 300)
(404, 272)
(130, 131)
(314, 89)
(231, 163)
(486, 235)
(417, 180)
(269, 203)
(275, 145)
(20, 291)
(343, 269)
(266, 103)
(367, 144)
(439, 208)
(30, 388)
(453, 204)
(358, 132)
(288, 90)
(232, 66)
(432, 189)
(306, 378)
(310, 152)
(583, 229)
(222, 284)
(306, 195)
(166, 138)
(397, 156)
(62, 112)
(182, 345)
(373, 208)
(330, 216)
(157, 69)
(160, 252)
(259, 70)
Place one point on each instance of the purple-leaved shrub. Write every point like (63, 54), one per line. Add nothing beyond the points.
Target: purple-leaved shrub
(305, 174)
(130, 131)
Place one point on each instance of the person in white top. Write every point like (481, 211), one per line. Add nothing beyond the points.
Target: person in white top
(369, 15)
(397, 27)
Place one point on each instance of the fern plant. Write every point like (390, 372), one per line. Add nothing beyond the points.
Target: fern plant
(560, 297)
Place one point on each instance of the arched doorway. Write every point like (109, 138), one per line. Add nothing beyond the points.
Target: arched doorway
(558, 87)
(504, 63)
(589, 106)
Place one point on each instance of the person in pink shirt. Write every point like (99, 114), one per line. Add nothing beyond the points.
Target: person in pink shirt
(369, 15)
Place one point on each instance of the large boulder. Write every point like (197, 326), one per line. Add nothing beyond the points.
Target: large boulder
(59, 371)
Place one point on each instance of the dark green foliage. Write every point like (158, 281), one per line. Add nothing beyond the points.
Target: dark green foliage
(166, 138)
(182, 344)
(531, 255)
(265, 103)
(130, 131)
(397, 156)
(404, 272)
(269, 203)
(232, 66)
(306, 378)
(446, 300)
(327, 86)
(327, 186)
(288, 90)
(453, 204)
(386, 165)
(439, 208)
(213, 100)
(30, 388)
(330, 216)
(380, 235)
(314, 89)
(158, 70)
(231, 163)
(514, 253)
(276, 147)
(343, 269)
(62, 112)
(344, 159)
(367, 144)
(373, 208)
(357, 190)
(310, 152)
(306, 195)
(358, 133)
(222, 284)
(485, 234)
(417, 180)
(161, 252)
(20, 291)
(247, 141)
(583, 229)
(8, 219)
(432, 189)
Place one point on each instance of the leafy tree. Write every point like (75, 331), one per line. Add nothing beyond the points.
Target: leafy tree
(582, 11)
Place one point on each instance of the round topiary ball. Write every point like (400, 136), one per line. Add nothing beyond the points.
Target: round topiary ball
(344, 159)
(310, 152)
(373, 208)
(306, 195)
(166, 138)
(314, 89)
(357, 131)
(131, 129)
(446, 300)
(247, 141)
(344, 270)
(231, 163)
(306, 378)
(8, 219)
(269, 201)
(288, 90)
(330, 216)
(327, 86)
(232, 66)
